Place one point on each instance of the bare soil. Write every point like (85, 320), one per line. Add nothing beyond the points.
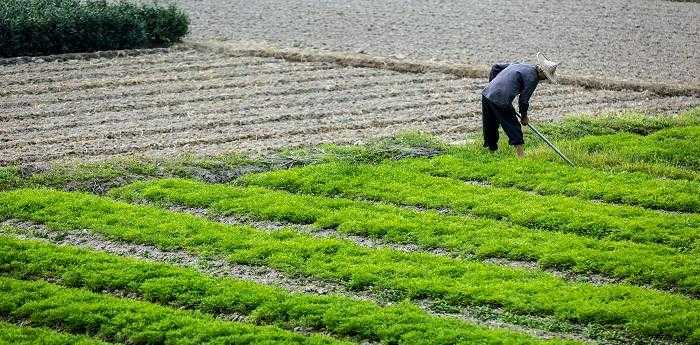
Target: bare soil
(637, 40)
(201, 102)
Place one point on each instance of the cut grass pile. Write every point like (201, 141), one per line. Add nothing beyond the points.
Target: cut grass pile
(652, 264)
(44, 27)
(409, 275)
(179, 287)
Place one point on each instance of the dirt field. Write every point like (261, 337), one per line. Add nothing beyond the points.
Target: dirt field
(207, 103)
(638, 40)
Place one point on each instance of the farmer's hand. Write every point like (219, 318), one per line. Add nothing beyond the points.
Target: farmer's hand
(524, 120)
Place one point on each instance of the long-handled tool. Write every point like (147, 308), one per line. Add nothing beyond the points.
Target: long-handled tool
(547, 141)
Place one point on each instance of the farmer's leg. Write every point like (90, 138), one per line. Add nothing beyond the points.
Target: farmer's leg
(519, 151)
(513, 130)
(490, 123)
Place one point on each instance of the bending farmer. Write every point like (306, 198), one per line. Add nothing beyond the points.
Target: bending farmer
(505, 82)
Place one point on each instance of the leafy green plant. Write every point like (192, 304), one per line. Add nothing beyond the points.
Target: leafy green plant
(402, 184)
(415, 276)
(128, 321)
(585, 125)
(543, 177)
(668, 153)
(169, 285)
(638, 263)
(42, 27)
(15, 335)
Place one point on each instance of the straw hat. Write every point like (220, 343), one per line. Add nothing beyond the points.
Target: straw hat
(547, 66)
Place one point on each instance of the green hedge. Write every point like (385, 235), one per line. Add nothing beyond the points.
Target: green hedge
(43, 27)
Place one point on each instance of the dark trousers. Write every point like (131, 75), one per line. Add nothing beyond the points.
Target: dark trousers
(494, 115)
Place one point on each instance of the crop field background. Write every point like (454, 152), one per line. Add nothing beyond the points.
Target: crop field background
(422, 250)
(194, 101)
(310, 172)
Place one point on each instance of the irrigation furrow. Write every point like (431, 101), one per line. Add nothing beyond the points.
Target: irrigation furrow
(135, 70)
(96, 84)
(181, 100)
(223, 268)
(224, 118)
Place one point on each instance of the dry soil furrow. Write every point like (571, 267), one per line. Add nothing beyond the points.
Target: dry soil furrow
(368, 101)
(135, 70)
(258, 142)
(268, 144)
(191, 108)
(650, 106)
(169, 100)
(237, 80)
(193, 76)
(19, 126)
(92, 64)
(184, 140)
(140, 128)
(186, 108)
(220, 267)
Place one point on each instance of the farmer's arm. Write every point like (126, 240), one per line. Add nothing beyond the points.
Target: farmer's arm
(497, 68)
(529, 85)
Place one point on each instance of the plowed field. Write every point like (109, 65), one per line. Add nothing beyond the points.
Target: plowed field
(185, 100)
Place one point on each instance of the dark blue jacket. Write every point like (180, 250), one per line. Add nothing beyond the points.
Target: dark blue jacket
(509, 80)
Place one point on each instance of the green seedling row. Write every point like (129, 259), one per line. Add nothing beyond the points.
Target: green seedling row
(416, 276)
(340, 316)
(674, 146)
(543, 177)
(637, 263)
(670, 153)
(402, 184)
(644, 124)
(11, 334)
(129, 321)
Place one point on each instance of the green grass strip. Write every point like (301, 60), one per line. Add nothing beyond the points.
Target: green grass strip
(637, 263)
(15, 335)
(630, 122)
(401, 183)
(675, 146)
(544, 177)
(412, 275)
(671, 153)
(128, 321)
(402, 323)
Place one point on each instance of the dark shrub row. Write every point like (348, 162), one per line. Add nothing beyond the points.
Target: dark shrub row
(43, 27)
